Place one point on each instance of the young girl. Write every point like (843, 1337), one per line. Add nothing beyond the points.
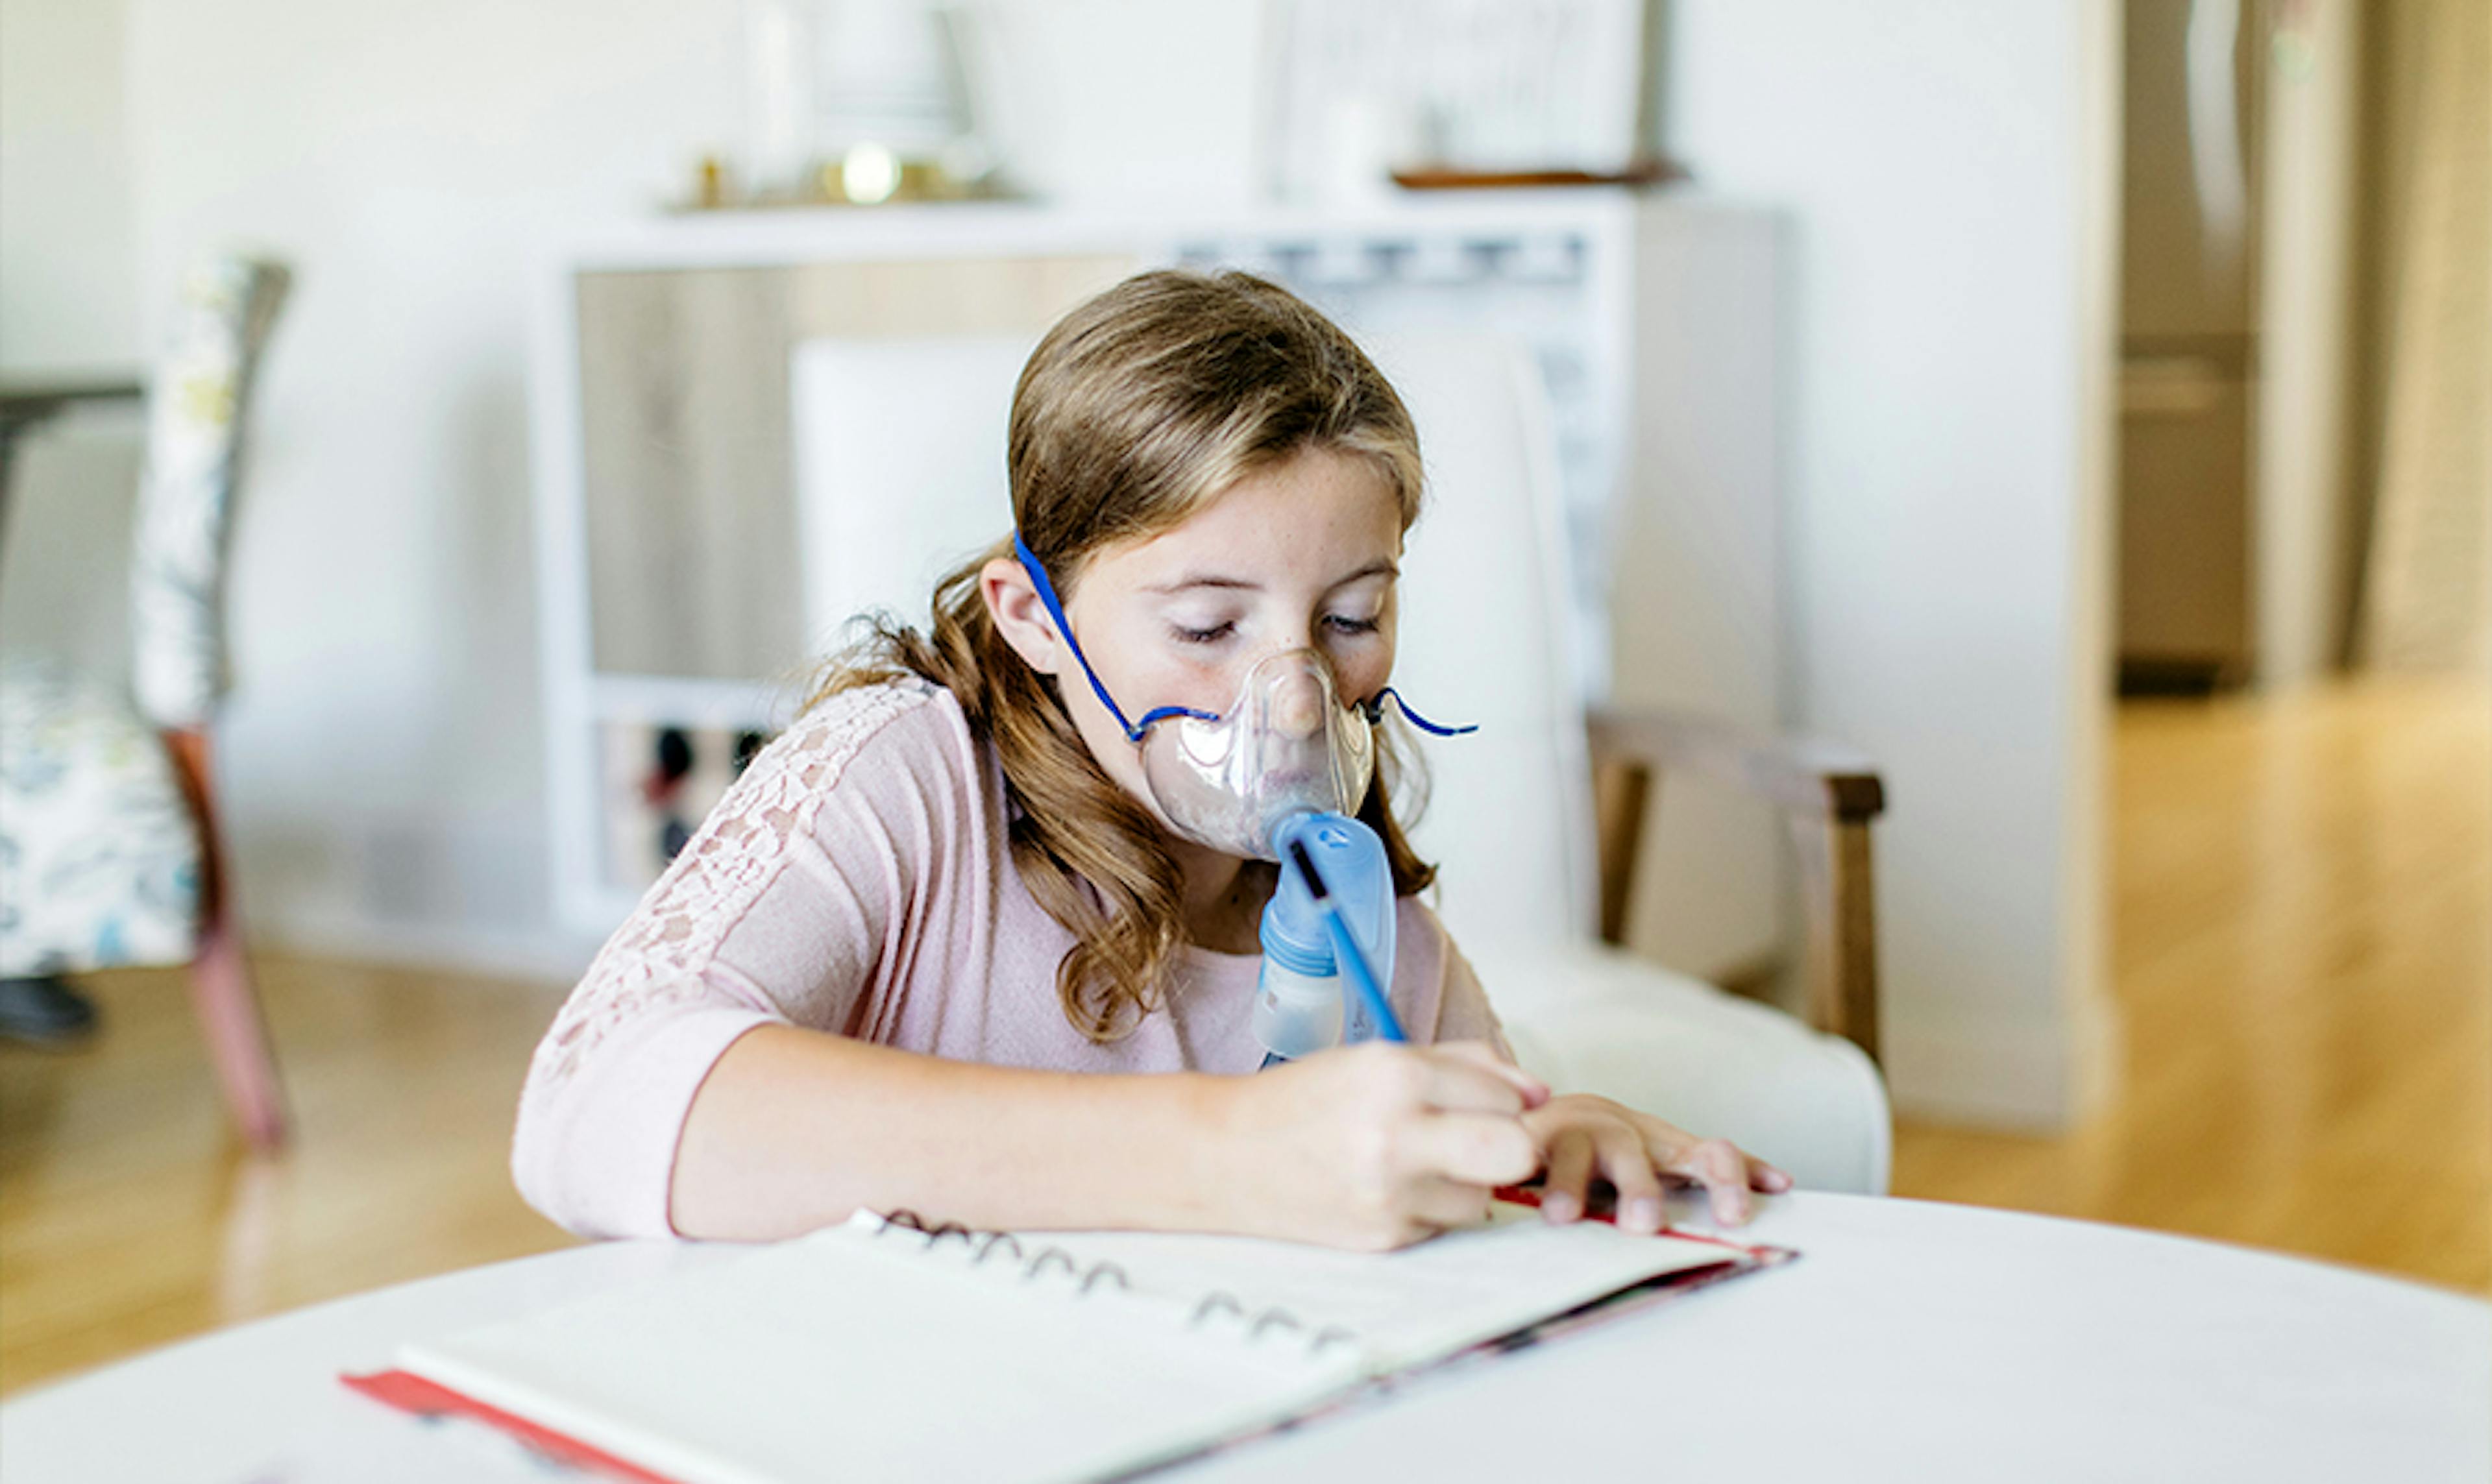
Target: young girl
(943, 947)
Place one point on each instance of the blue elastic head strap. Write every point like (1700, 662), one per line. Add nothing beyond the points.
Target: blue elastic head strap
(1134, 730)
(1373, 708)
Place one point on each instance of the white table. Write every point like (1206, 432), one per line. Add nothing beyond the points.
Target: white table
(1914, 1342)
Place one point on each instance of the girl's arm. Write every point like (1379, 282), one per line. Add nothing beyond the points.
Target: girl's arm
(1371, 1146)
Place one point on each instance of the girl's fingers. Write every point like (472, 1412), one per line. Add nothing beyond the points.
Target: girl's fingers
(1460, 1088)
(1628, 1166)
(1443, 1203)
(1717, 1165)
(1471, 1074)
(1564, 1193)
(1768, 1178)
(1480, 1149)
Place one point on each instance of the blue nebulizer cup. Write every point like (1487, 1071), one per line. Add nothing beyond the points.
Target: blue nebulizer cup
(1307, 1001)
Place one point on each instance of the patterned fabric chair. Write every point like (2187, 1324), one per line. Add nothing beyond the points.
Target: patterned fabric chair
(108, 849)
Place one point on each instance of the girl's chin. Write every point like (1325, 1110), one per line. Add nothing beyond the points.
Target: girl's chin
(1196, 850)
(1194, 853)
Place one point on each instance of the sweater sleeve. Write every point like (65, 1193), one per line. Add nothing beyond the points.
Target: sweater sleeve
(773, 913)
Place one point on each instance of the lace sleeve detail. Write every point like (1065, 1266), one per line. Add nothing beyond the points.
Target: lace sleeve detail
(658, 960)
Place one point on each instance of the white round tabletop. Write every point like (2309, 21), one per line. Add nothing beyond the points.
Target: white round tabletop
(1913, 1341)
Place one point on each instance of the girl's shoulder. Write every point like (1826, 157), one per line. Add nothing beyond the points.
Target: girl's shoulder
(1421, 944)
(862, 710)
(909, 726)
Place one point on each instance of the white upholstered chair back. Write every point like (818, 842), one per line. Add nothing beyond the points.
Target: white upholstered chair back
(1484, 638)
(900, 467)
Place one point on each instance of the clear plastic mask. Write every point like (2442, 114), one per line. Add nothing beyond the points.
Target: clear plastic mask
(1286, 746)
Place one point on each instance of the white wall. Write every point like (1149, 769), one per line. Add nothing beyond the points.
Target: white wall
(68, 307)
(65, 232)
(1128, 100)
(1948, 165)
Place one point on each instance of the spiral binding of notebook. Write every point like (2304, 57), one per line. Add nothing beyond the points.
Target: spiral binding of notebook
(1217, 1307)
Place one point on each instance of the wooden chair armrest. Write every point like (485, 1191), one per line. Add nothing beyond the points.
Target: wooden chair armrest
(1804, 775)
(1828, 794)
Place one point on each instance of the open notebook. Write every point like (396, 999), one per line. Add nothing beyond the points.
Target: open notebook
(881, 1348)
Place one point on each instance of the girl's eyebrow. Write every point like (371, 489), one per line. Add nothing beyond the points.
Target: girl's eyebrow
(1381, 567)
(1203, 580)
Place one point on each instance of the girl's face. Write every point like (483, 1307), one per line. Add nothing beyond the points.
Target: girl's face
(1299, 556)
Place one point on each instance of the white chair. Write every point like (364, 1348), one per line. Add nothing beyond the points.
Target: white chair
(899, 474)
(1510, 816)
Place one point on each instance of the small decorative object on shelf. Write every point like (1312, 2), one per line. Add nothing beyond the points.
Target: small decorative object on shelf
(1434, 94)
(856, 102)
(713, 187)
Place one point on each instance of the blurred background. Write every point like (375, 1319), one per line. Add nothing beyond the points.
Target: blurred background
(2082, 408)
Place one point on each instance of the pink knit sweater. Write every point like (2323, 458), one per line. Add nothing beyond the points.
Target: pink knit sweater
(857, 879)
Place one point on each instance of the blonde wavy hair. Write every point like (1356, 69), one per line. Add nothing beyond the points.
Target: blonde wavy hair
(1137, 408)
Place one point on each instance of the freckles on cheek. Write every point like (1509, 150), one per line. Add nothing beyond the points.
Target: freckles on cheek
(1176, 674)
(1363, 676)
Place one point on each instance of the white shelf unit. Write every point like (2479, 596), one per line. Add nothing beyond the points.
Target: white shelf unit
(660, 361)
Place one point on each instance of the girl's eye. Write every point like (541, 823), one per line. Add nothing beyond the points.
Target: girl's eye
(1211, 636)
(1343, 624)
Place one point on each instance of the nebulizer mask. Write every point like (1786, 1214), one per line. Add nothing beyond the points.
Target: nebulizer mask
(1286, 746)
(1277, 776)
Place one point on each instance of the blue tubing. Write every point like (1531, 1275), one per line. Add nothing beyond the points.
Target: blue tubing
(1353, 963)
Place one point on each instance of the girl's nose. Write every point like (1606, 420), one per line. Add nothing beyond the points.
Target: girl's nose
(1297, 706)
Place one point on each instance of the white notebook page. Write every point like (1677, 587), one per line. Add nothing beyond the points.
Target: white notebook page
(863, 1352)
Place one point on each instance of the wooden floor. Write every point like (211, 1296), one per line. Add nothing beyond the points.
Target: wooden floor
(2303, 897)
(129, 1218)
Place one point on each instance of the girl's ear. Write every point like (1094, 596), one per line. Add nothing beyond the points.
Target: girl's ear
(1012, 599)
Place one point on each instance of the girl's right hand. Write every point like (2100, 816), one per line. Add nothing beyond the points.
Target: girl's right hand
(1374, 1145)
